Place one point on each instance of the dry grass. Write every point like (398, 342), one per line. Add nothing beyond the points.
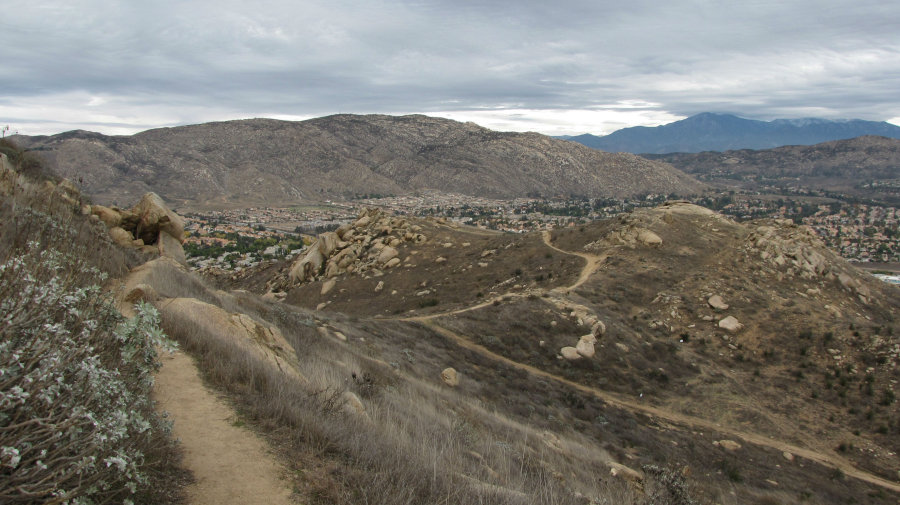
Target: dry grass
(485, 441)
(418, 442)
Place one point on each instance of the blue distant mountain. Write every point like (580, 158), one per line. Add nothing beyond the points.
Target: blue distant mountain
(721, 132)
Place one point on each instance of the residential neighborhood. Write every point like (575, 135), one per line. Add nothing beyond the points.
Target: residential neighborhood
(236, 239)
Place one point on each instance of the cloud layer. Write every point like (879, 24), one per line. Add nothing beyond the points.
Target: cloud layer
(563, 67)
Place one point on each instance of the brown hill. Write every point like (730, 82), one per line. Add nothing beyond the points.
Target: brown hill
(757, 357)
(841, 165)
(264, 161)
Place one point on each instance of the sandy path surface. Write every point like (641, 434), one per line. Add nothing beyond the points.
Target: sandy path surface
(592, 262)
(231, 465)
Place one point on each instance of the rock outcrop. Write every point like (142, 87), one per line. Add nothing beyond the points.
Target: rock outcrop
(796, 251)
(150, 225)
(259, 339)
(371, 243)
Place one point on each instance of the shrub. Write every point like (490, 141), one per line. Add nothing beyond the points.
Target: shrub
(887, 397)
(75, 380)
(428, 302)
(667, 487)
(76, 421)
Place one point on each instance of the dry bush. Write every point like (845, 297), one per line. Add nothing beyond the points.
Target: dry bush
(76, 421)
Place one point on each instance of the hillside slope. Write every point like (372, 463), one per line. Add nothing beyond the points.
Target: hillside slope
(747, 352)
(840, 165)
(267, 161)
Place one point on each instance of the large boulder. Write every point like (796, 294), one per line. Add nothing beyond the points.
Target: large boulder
(171, 247)
(154, 217)
(387, 254)
(585, 346)
(328, 243)
(570, 353)
(141, 293)
(649, 238)
(121, 237)
(731, 324)
(257, 338)
(716, 302)
(308, 266)
(110, 217)
(450, 377)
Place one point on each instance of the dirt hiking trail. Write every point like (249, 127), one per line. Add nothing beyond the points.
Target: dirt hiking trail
(231, 465)
(593, 262)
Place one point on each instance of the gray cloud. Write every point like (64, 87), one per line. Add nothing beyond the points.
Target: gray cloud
(168, 62)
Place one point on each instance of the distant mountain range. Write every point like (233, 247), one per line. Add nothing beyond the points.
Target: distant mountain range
(270, 162)
(721, 132)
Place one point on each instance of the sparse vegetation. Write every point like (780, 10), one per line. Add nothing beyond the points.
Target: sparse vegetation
(77, 424)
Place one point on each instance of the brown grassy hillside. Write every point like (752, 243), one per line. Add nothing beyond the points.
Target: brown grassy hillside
(269, 162)
(795, 406)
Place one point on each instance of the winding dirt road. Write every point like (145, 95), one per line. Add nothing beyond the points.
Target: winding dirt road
(593, 262)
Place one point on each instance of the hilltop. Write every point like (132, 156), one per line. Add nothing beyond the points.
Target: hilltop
(759, 360)
(720, 132)
(668, 355)
(264, 161)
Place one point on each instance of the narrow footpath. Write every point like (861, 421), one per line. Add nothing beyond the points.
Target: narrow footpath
(231, 465)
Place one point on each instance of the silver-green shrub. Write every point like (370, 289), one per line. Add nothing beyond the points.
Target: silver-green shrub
(76, 418)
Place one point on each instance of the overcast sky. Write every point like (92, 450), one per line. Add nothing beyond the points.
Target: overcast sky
(557, 67)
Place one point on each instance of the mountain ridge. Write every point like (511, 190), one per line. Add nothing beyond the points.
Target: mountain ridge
(719, 132)
(257, 161)
(838, 165)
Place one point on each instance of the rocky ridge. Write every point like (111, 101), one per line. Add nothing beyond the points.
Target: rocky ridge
(841, 165)
(367, 246)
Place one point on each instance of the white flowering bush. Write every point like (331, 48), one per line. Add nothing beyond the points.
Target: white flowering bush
(76, 418)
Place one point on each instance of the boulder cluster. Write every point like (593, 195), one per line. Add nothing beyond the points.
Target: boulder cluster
(630, 236)
(584, 348)
(368, 244)
(798, 252)
(150, 225)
